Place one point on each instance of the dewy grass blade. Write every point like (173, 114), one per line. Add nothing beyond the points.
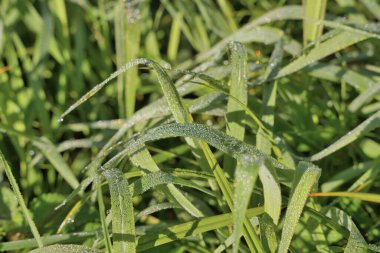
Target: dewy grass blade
(66, 248)
(143, 159)
(326, 48)
(238, 89)
(4, 166)
(366, 126)
(307, 175)
(245, 178)
(271, 187)
(198, 226)
(50, 239)
(123, 224)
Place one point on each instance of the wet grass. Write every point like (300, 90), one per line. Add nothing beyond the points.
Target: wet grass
(189, 126)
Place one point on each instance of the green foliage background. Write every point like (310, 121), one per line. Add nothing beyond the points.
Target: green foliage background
(286, 93)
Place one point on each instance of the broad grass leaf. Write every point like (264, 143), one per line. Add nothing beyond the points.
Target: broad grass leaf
(307, 176)
(123, 228)
(66, 248)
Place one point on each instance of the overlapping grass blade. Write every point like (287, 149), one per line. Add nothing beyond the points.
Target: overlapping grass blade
(156, 208)
(307, 175)
(356, 242)
(245, 178)
(151, 180)
(238, 89)
(198, 226)
(123, 225)
(8, 171)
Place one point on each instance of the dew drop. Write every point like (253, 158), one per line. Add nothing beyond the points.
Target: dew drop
(60, 120)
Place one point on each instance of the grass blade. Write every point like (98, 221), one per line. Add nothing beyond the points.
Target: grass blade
(366, 126)
(308, 176)
(8, 171)
(65, 248)
(371, 197)
(198, 226)
(238, 90)
(123, 228)
(313, 10)
(245, 179)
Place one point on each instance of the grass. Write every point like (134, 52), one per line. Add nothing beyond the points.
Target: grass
(189, 126)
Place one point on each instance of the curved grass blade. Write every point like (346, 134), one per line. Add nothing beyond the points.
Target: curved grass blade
(123, 224)
(366, 126)
(371, 197)
(151, 180)
(198, 226)
(238, 89)
(245, 178)
(66, 248)
(143, 159)
(308, 175)
(4, 166)
(156, 208)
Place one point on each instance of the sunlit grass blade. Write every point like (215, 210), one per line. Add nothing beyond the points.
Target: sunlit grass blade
(366, 126)
(356, 242)
(4, 166)
(123, 228)
(66, 248)
(245, 178)
(371, 197)
(307, 176)
(198, 226)
(313, 10)
(238, 89)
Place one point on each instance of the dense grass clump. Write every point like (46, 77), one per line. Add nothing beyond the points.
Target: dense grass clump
(189, 126)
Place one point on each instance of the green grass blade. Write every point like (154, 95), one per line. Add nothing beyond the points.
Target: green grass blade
(55, 158)
(175, 35)
(308, 175)
(123, 224)
(102, 214)
(65, 248)
(238, 90)
(356, 242)
(313, 10)
(46, 240)
(4, 166)
(371, 197)
(155, 208)
(326, 48)
(143, 159)
(198, 226)
(366, 126)
(245, 178)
